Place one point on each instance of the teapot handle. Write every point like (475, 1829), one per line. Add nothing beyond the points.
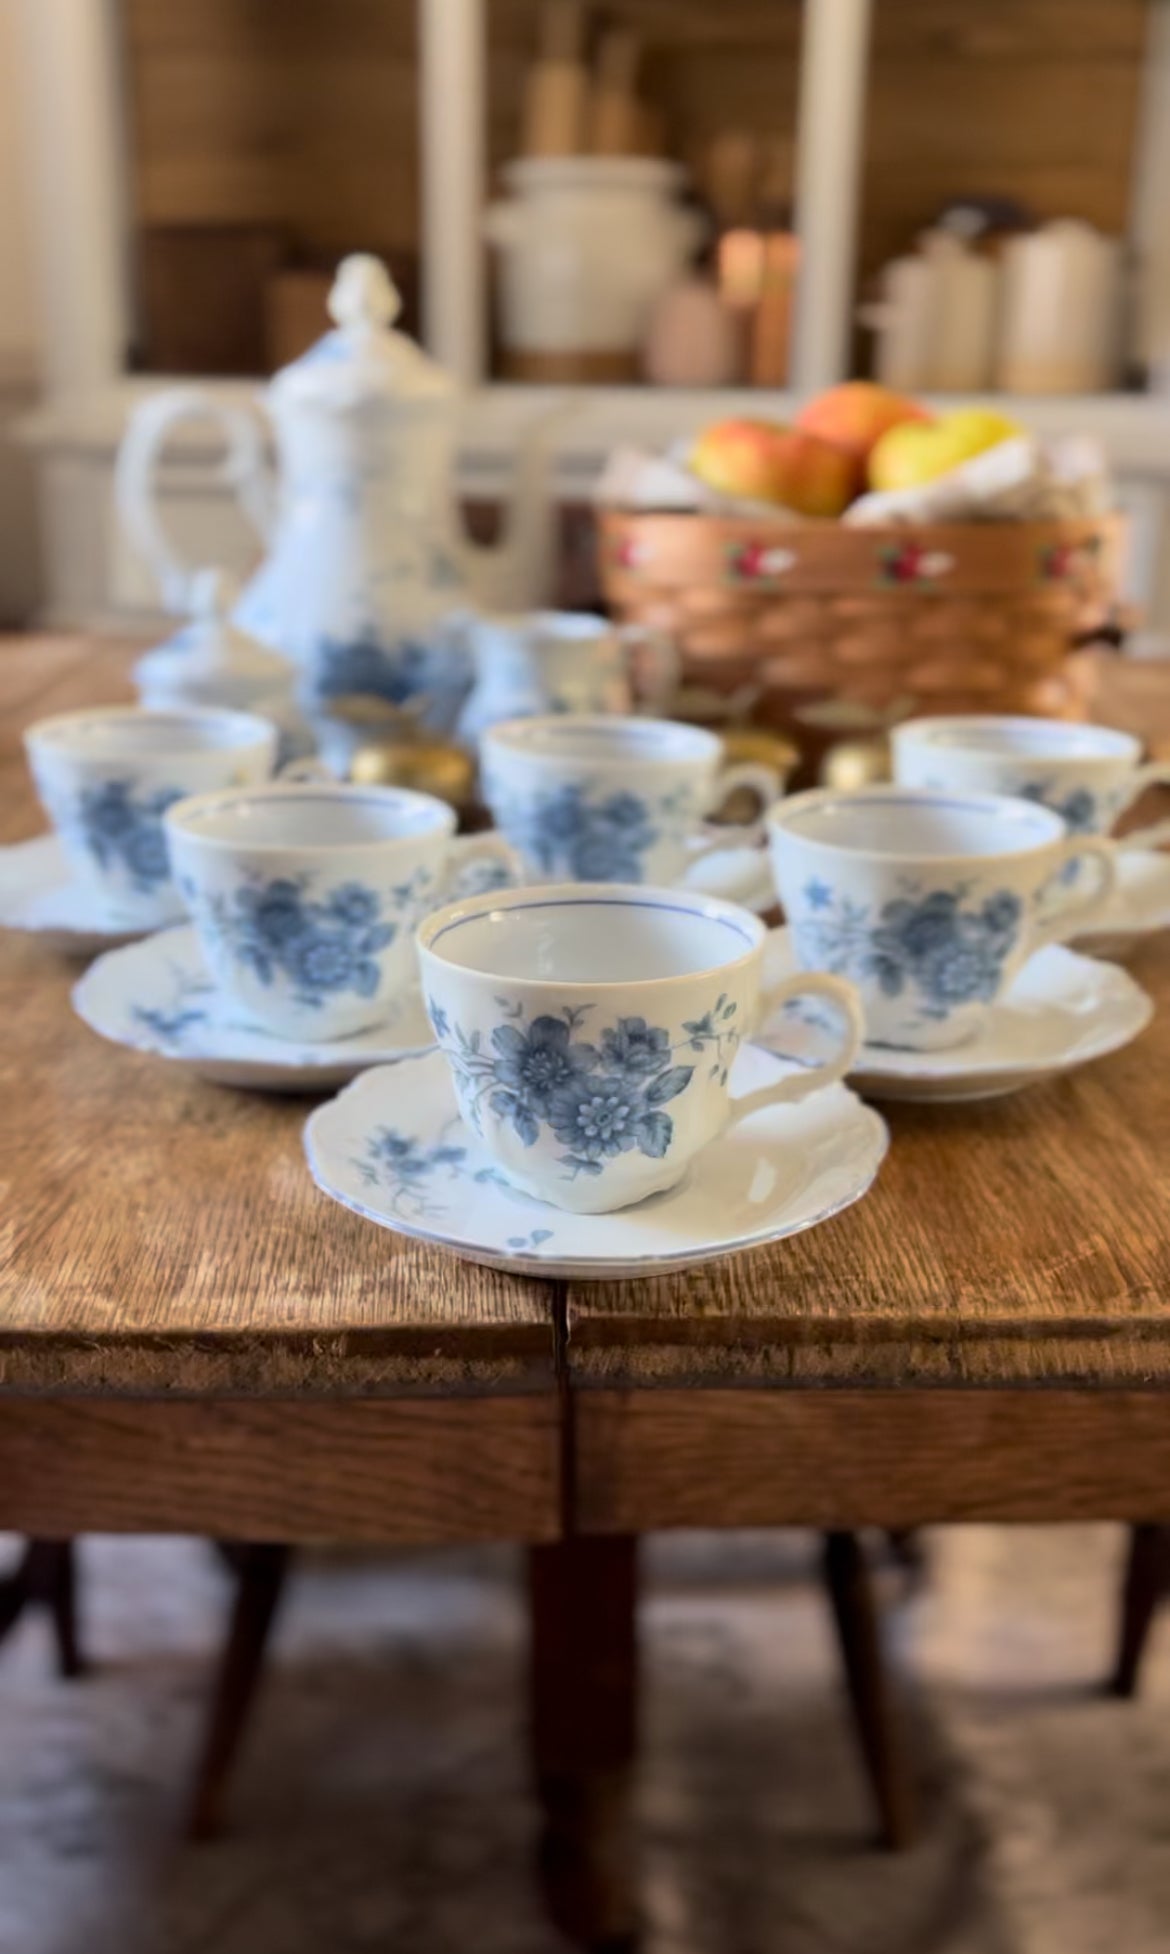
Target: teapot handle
(245, 470)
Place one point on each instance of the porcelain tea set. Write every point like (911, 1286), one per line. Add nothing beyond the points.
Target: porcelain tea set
(562, 1050)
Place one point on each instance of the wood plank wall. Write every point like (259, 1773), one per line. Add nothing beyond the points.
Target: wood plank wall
(302, 114)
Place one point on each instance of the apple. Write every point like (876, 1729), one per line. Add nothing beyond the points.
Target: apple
(767, 462)
(855, 415)
(916, 452)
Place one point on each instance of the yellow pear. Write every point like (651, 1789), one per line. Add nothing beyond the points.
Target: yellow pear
(915, 452)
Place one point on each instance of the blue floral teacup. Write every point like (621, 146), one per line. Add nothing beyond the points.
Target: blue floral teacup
(929, 901)
(589, 798)
(1089, 775)
(590, 1033)
(306, 896)
(106, 776)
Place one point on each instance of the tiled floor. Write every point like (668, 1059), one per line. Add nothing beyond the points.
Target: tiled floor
(382, 1803)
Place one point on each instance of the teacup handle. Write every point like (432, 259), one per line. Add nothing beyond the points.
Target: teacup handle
(664, 664)
(1072, 918)
(846, 1005)
(469, 870)
(718, 836)
(1155, 773)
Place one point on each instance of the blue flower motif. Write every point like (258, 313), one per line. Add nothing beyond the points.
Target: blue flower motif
(569, 832)
(951, 954)
(321, 948)
(817, 894)
(407, 1168)
(1078, 809)
(438, 1018)
(275, 911)
(353, 905)
(597, 1116)
(120, 828)
(598, 1099)
(635, 1048)
(532, 1065)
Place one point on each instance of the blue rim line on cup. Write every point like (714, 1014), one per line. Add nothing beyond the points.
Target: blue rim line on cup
(575, 895)
(1046, 825)
(190, 814)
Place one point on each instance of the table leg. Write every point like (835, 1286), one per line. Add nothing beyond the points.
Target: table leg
(583, 1680)
(1147, 1580)
(46, 1577)
(261, 1572)
(855, 1616)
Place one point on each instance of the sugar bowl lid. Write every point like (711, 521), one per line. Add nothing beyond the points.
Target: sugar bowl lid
(363, 358)
(209, 644)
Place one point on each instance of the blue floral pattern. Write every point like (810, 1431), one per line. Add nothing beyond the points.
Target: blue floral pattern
(408, 1169)
(570, 833)
(1077, 809)
(432, 675)
(951, 953)
(321, 946)
(123, 829)
(598, 1099)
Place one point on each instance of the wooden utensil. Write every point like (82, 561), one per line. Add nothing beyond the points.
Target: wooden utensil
(556, 88)
(615, 123)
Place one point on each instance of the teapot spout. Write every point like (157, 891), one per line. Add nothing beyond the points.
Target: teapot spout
(519, 572)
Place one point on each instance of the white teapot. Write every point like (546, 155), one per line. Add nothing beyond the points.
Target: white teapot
(368, 578)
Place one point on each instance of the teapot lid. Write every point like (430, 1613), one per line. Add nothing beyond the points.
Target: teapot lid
(210, 645)
(363, 357)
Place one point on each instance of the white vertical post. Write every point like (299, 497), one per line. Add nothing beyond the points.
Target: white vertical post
(830, 128)
(72, 123)
(453, 114)
(1149, 227)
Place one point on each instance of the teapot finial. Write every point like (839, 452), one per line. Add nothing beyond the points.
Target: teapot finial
(363, 293)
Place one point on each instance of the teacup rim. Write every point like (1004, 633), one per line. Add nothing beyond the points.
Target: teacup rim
(1117, 744)
(578, 624)
(513, 736)
(178, 816)
(1009, 806)
(587, 895)
(251, 728)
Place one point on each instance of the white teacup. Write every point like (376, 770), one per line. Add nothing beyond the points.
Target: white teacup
(590, 1033)
(1087, 774)
(596, 799)
(928, 901)
(560, 661)
(106, 776)
(306, 896)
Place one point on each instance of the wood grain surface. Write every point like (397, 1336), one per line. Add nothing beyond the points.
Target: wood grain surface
(162, 1234)
(405, 1470)
(851, 1458)
(1024, 1239)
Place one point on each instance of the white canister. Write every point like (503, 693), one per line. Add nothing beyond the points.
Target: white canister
(936, 320)
(587, 243)
(1060, 326)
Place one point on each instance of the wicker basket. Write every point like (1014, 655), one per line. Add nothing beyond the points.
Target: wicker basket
(945, 617)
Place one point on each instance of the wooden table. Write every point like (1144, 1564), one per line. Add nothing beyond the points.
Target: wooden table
(193, 1339)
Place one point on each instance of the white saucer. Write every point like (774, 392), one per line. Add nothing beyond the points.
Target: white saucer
(1062, 1010)
(393, 1148)
(1140, 904)
(38, 893)
(156, 996)
(737, 874)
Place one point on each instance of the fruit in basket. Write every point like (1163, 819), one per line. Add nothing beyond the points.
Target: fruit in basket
(767, 462)
(918, 452)
(856, 415)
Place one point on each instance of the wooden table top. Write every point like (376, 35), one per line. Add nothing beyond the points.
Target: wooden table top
(162, 1233)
